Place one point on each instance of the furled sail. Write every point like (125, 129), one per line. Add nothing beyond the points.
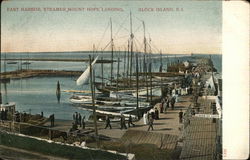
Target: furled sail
(85, 75)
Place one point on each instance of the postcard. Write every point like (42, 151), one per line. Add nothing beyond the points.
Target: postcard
(124, 80)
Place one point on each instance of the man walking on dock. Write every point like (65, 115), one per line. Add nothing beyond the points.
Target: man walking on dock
(156, 113)
(150, 122)
(74, 117)
(83, 122)
(123, 125)
(130, 122)
(180, 116)
(162, 105)
(80, 120)
(108, 122)
(172, 102)
(77, 118)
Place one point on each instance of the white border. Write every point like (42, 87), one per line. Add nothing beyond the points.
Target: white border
(235, 70)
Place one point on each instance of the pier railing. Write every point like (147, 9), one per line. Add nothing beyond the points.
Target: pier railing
(47, 132)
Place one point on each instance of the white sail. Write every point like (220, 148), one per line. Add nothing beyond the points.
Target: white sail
(85, 75)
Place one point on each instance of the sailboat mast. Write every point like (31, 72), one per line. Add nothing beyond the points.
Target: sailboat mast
(112, 51)
(144, 58)
(124, 67)
(124, 63)
(161, 61)
(137, 87)
(102, 70)
(139, 61)
(117, 75)
(4, 62)
(131, 49)
(128, 62)
(5, 85)
(93, 96)
(150, 70)
(0, 84)
(161, 76)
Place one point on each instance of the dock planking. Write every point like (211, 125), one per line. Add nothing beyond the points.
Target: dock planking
(200, 140)
(163, 141)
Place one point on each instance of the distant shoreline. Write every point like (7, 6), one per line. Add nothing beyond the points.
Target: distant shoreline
(57, 59)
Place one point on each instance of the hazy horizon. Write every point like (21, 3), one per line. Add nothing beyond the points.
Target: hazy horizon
(194, 29)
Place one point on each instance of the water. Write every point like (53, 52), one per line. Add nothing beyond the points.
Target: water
(39, 94)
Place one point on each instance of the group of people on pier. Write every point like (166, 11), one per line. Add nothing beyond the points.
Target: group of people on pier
(78, 120)
(150, 116)
(166, 103)
(122, 122)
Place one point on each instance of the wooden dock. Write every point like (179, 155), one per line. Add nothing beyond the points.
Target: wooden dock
(162, 141)
(165, 134)
(201, 135)
(200, 140)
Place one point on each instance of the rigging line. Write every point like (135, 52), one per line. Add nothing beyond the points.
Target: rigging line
(103, 36)
(139, 25)
(155, 47)
(137, 18)
(123, 44)
(121, 26)
(140, 44)
(137, 29)
(121, 37)
(106, 46)
(152, 45)
(136, 48)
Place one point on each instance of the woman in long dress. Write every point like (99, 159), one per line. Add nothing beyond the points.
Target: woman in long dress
(145, 118)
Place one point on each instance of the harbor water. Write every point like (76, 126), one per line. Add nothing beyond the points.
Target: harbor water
(38, 94)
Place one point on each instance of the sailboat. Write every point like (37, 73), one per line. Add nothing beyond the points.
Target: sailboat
(81, 99)
(119, 90)
(80, 81)
(143, 92)
(85, 75)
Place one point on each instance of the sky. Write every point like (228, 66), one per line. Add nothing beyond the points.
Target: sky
(195, 28)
